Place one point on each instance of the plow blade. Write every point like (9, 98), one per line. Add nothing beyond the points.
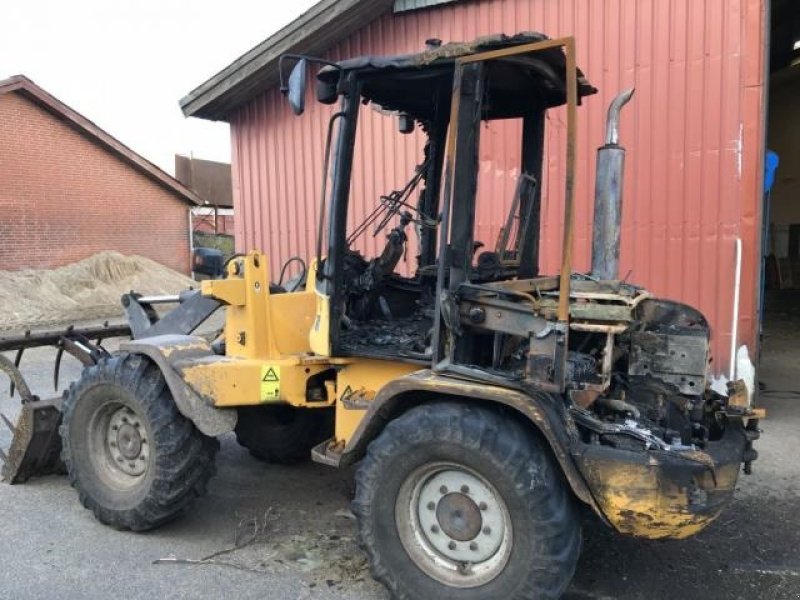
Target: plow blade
(35, 444)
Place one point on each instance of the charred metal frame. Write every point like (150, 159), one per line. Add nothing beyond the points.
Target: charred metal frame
(437, 137)
(331, 274)
(457, 188)
(460, 182)
(571, 77)
(461, 160)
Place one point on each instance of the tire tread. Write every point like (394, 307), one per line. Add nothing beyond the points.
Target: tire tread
(184, 457)
(520, 456)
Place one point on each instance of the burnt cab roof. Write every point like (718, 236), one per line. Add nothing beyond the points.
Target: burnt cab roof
(409, 83)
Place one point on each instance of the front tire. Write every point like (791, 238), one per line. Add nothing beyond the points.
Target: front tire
(455, 501)
(134, 460)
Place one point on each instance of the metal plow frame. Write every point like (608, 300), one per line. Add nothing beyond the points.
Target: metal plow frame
(36, 445)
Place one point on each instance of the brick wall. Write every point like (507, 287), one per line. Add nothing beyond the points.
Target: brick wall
(63, 198)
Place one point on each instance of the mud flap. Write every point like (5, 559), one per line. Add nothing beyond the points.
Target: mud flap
(36, 444)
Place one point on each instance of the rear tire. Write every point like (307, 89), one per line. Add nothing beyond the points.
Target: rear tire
(282, 434)
(455, 501)
(135, 461)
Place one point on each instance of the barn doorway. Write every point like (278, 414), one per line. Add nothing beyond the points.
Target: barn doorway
(781, 297)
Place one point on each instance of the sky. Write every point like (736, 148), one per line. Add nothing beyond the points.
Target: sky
(124, 64)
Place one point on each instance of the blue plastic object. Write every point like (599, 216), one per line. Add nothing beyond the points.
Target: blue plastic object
(770, 166)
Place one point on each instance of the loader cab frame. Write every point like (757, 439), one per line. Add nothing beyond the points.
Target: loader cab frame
(517, 78)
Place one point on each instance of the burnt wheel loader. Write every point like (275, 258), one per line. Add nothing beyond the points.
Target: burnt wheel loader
(485, 402)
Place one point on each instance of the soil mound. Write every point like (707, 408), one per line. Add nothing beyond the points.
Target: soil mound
(85, 290)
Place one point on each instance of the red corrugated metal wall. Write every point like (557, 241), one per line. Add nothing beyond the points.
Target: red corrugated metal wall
(693, 133)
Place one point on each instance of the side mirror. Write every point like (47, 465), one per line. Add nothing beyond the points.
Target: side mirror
(296, 89)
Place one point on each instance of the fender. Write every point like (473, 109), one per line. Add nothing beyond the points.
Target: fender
(538, 407)
(166, 351)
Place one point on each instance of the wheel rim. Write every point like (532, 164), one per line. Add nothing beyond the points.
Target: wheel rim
(119, 445)
(454, 524)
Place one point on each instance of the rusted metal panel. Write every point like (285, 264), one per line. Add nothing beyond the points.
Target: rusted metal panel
(693, 135)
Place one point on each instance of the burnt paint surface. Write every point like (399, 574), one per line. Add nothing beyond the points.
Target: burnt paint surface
(394, 398)
(699, 82)
(657, 494)
(650, 494)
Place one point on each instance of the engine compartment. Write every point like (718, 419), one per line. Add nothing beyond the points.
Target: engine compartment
(657, 395)
(635, 382)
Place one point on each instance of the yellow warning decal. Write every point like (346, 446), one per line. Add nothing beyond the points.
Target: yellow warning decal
(270, 383)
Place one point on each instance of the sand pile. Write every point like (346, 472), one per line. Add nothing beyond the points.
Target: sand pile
(88, 289)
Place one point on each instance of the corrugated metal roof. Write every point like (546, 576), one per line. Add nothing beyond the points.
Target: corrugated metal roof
(407, 5)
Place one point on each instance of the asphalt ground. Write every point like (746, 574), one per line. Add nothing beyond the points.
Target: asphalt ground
(267, 531)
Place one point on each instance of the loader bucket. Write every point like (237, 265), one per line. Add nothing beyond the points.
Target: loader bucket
(29, 440)
(35, 446)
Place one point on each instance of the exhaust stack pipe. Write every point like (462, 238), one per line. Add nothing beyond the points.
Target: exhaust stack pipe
(608, 196)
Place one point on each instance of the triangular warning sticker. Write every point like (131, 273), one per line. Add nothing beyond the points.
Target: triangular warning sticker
(270, 375)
